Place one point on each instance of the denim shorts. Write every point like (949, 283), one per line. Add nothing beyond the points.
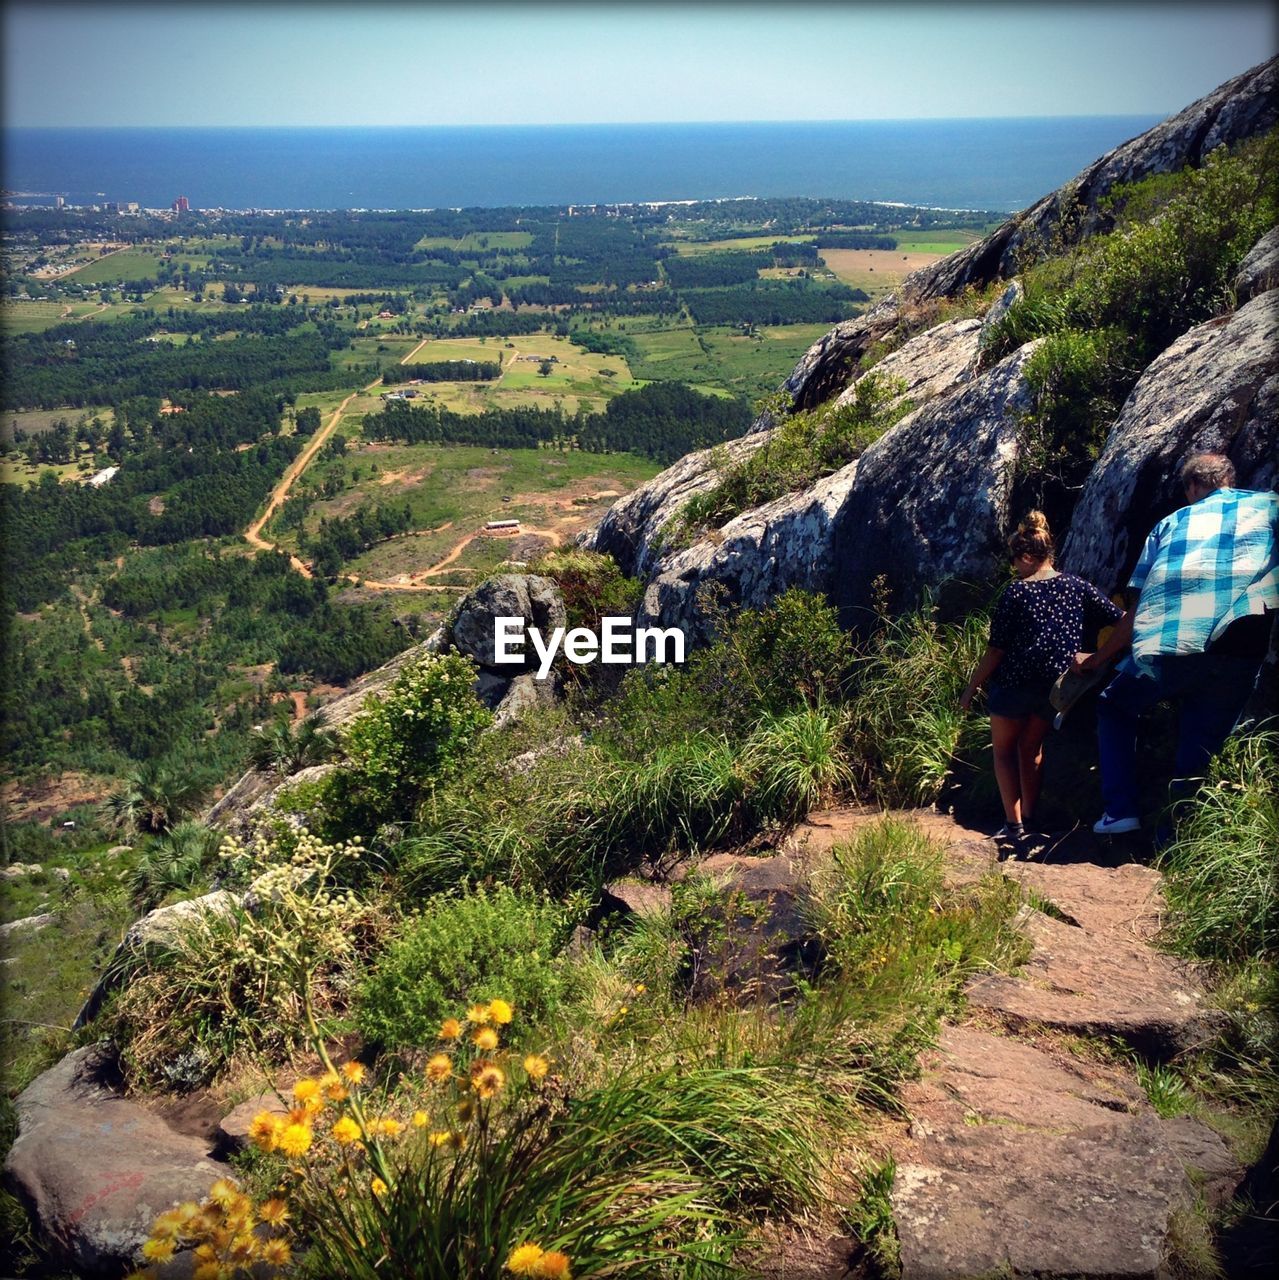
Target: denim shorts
(1019, 701)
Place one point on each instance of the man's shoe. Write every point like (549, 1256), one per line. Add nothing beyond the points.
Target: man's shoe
(1108, 826)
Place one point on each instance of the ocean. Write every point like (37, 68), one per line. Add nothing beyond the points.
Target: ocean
(960, 164)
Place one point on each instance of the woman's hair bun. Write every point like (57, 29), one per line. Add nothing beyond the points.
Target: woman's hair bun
(1033, 537)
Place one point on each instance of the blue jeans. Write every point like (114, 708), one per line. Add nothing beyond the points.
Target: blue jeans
(1210, 690)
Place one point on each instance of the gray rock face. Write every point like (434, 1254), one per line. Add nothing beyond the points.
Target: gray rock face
(1241, 108)
(630, 529)
(932, 364)
(1259, 271)
(930, 498)
(28, 924)
(508, 595)
(95, 1170)
(827, 367)
(1215, 389)
(751, 560)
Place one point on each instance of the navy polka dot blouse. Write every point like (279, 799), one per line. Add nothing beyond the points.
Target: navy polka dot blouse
(1041, 625)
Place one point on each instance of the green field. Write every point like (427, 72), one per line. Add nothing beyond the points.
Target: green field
(34, 317)
(478, 241)
(127, 264)
(746, 244)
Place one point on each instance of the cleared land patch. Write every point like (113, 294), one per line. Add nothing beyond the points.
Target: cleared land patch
(452, 491)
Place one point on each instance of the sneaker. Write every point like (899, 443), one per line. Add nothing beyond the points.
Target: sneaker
(1010, 831)
(1108, 826)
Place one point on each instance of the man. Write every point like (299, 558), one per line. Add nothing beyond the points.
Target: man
(1205, 579)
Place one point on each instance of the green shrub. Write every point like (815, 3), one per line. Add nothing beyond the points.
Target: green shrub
(806, 445)
(176, 861)
(769, 661)
(1108, 306)
(1221, 873)
(592, 585)
(898, 946)
(907, 726)
(479, 946)
(408, 739)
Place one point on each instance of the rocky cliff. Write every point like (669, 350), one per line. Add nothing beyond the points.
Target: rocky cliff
(928, 507)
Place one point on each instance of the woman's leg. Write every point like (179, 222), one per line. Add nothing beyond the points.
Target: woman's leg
(1004, 734)
(1030, 762)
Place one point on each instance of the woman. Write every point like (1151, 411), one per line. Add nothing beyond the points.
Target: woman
(1039, 624)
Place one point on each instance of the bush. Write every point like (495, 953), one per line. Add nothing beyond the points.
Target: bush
(1222, 876)
(416, 734)
(907, 726)
(806, 446)
(769, 661)
(175, 861)
(481, 945)
(234, 981)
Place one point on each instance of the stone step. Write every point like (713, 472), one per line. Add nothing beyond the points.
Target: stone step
(1022, 1162)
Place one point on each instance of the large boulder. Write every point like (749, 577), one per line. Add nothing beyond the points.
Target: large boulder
(1215, 389)
(930, 502)
(932, 364)
(1259, 271)
(507, 595)
(631, 530)
(94, 1170)
(751, 560)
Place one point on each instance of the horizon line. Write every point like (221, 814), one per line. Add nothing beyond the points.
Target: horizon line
(606, 124)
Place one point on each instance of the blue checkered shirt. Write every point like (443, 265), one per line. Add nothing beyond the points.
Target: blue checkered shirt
(1202, 568)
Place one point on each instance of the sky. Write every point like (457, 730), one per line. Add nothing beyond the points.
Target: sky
(376, 63)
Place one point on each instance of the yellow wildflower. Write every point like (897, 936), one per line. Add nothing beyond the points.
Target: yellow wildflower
(207, 1271)
(439, 1137)
(158, 1250)
(166, 1227)
(554, 1266)
(478, 1013)
(346, 1131)
(379, 1187)
(484, 1039)
(331, 1083)
(294, 1139)
(536, 1067)
(466, 1111)
(277, 1253)
(419, 1119)
(500, 1012)
(224, 1192)
(457, 1140)
(244, 1247)
(488, 1080)
(439, 1068)
(385, 1127)
(450, 1029)
(274, 1212)
(524, 1259)
(264, 1131)
(306, 1092)
(354, 1072)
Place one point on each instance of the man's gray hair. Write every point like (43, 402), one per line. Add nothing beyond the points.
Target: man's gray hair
(1208, 470)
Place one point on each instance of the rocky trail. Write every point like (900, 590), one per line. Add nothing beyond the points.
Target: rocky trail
(1029, 1147)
